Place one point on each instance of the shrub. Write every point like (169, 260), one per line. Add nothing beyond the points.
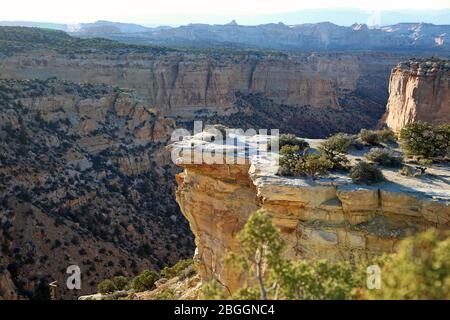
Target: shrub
(387, 135)
(187, 273)
(365, 173)
(425, 162)
(106, 286)
(145, 281)
(120, 282)
(419, 270)
(297, 161)
(383, 157)
(333, 150)
(316, 165)
(311, 165)
(289, 149)
(177, 269)
(369, 136)
(337, 160)
(375, 137)
(168, 294)
(290, 140)
(288, 164)
(422, 139)
(442, 134)
(318, 280)
(339, 143)
(212, 290)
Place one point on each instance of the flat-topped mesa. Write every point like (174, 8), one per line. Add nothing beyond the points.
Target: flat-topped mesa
(419, 90)
(329, 217)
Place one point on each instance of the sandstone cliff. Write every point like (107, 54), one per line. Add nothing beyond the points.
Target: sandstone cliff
(327, 218)
(183, 83)
(419, 90)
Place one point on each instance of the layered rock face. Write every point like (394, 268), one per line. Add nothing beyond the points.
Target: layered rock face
(328, 218)
(84, 180)
(313, 94)
(182, 83)
(419, 90)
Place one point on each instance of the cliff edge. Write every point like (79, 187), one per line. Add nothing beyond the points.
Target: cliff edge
(329, 217)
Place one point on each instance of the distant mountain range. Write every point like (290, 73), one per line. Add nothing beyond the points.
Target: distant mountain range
(339, 16)
(404, 37)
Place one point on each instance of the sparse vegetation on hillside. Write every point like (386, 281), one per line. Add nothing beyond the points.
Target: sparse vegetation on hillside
(177, 269)
(93, 194)
(106, 286)
(256, 111)
(18, 39)
(145, 281)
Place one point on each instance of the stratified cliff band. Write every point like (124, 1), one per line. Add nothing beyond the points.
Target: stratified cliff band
(419, 90)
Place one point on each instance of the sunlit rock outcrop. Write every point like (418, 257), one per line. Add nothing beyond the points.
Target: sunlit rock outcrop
(419, 90)
(329, 218)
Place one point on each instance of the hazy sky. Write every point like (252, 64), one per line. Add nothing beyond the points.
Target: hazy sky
(183, 11)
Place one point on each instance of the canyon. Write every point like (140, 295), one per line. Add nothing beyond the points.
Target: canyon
(309, 94)
(183, 84)
(86, 178)
(186, 84)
